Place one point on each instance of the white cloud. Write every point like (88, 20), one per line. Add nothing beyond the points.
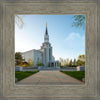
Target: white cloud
(73, 36)
(75, 40)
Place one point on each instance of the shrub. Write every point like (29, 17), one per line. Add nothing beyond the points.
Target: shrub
(25, 64)
(40, 64)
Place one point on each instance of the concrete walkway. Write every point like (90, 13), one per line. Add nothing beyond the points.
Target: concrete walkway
(49, 78)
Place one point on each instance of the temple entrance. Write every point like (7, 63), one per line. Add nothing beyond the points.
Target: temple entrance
(52, 64)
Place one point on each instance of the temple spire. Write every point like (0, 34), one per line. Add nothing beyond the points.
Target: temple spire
(46, 32)
(46, 36)
(46, 24)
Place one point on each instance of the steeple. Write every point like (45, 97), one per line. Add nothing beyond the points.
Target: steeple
(46, 24)
(46, 32)
(46, 36)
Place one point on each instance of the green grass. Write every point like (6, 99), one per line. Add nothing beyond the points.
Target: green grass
(76, 74)
(22, 75)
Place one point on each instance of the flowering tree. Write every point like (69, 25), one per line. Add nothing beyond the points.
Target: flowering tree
(19, 21)
(30, 62)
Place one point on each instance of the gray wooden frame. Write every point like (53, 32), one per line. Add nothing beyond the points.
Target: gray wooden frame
(8, 88)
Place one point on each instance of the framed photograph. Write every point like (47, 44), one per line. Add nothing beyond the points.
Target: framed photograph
(62, 50)
(50, 50)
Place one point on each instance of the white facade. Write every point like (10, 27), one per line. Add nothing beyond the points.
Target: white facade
(27, 55)
(37, 57)
(43, 55)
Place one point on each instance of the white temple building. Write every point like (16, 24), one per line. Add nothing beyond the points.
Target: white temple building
(43, 55)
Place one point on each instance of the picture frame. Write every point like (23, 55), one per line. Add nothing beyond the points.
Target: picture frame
(9, 90)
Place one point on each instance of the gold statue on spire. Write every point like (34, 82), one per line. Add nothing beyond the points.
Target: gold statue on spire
(46, 24)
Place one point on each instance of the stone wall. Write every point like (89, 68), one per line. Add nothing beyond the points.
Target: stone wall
(80, 68)
(18, 68)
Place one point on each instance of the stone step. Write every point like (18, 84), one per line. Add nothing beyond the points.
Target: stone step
(49, 69)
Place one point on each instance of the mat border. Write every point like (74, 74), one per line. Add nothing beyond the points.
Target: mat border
(8, 88)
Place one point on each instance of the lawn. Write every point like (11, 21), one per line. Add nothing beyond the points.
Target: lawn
(76, 74)
(22, 75)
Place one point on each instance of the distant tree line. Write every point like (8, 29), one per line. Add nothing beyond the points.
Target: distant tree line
(73, 63)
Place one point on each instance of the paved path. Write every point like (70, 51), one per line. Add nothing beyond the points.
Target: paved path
(49, 78)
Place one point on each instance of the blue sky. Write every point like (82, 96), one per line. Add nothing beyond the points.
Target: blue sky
(67, 41)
